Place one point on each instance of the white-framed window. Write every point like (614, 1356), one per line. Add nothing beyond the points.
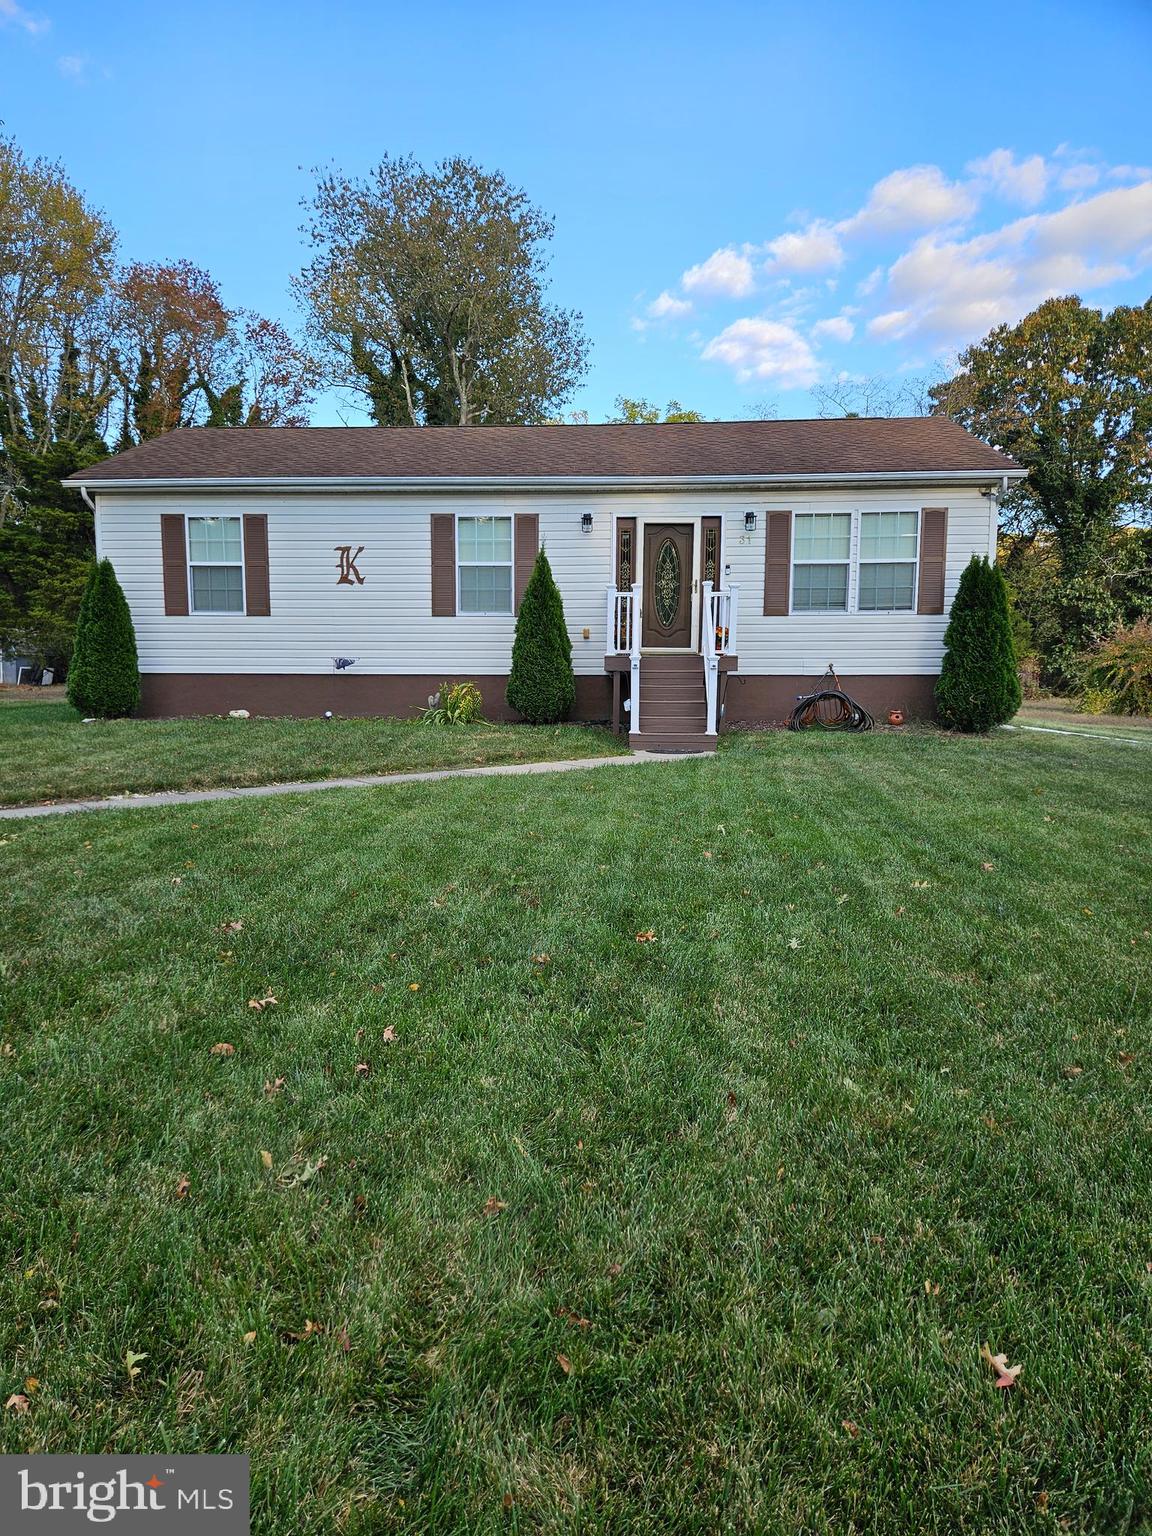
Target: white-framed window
(855, 562)
(215, 564)
(821, 561)
(484, 565)
(889, 555)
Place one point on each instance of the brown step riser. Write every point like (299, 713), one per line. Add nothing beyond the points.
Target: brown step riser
(656, 741)
(671, 693)
(651, 664)
(650, 711)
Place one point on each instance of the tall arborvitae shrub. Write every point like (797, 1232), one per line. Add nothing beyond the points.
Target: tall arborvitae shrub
(542, 686)
(979, 686)
(104, 677)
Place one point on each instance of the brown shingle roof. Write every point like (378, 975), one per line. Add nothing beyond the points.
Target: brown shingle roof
(681, 449)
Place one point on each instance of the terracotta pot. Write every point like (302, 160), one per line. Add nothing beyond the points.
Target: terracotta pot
(895, 717)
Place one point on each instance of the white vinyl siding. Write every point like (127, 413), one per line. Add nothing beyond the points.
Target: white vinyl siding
(387, 624)
(484, 565)
(216, 564)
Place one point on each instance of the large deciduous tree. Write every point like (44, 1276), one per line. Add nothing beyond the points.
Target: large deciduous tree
(1067, 392)
(427, 289)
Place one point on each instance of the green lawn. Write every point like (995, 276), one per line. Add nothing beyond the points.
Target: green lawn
(502, 1220)
(47, 754)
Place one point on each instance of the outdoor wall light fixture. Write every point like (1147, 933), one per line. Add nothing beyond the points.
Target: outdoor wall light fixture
(749, 522)
(586, 522)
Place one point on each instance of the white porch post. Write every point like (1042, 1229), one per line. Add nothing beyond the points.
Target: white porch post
(708, 613)
(634, 650)
(733, 609)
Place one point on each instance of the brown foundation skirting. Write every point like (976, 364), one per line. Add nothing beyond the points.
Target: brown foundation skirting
(344, 693)
(763, 700)
(748, 699)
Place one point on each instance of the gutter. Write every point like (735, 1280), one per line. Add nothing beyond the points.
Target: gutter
(543, 482)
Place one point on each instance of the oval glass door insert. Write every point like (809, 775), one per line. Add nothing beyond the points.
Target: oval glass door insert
(666, 583)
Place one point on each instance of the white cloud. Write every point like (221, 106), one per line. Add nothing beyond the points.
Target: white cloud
(765, 349)
(813, 249)
(1078, 178)
(725, 272)
(17, 16)
(667, 307)
(957, 289)
(918, 197)
(838, 328)
(72, 66)
(1016, 181)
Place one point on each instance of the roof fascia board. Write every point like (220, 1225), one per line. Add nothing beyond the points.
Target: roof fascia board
(440, 483)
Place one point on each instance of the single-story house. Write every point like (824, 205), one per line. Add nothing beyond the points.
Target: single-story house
(710, 571)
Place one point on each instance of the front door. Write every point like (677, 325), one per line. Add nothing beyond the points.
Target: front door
(667, 586)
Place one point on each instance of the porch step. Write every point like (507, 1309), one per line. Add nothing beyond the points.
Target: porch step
(673, 705)
(671, 741)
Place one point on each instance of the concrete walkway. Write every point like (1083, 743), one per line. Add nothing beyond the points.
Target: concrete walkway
(366, 781)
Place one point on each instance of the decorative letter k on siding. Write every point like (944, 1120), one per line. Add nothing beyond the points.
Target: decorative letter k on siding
(349, 575)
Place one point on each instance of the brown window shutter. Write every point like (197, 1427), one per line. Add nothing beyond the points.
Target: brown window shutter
(258, 601)
(443, 565)
(527, 548)
(777, 563)
(933, 554)
(174, 560)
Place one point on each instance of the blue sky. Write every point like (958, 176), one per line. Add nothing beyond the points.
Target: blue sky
(749, 198)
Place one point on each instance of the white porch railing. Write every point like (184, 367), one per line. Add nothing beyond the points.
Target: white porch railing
(718, 614)
(623, 639)
(719, 610)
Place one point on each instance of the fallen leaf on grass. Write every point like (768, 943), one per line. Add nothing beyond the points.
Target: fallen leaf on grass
(493, 1207)
(183, 1185)
(132, 1363)
(541, 959)
(987, 865)
(362, 1069)
(388, 1035)
(615, 1269)
(853, 1429)
(260, 1003)
(310, 1329)
(1005, 1374)
(1126, 1058)
(233, 927)
(413, 986)
(299, 1172)
(359, 1204)
(564, 1363)
(31, 1383)
(573, 1317)
(272, 1086)
(222, 1048)
(921, 885)
(18, 1403)
(931, 1288)
(648, 936)
(507, 1501)
(266, 1159)
(1073, 1071)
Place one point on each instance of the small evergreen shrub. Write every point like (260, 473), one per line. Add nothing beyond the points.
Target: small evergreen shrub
(1121, 667)
(104, 676)
(454, 704)
(542, 686)
(979, 686)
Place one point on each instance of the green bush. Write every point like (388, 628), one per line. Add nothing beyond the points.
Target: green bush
(104, 677)
(1098, 701)
(979, 686)
(542, 686)
(1121, 666)
(455, 704)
